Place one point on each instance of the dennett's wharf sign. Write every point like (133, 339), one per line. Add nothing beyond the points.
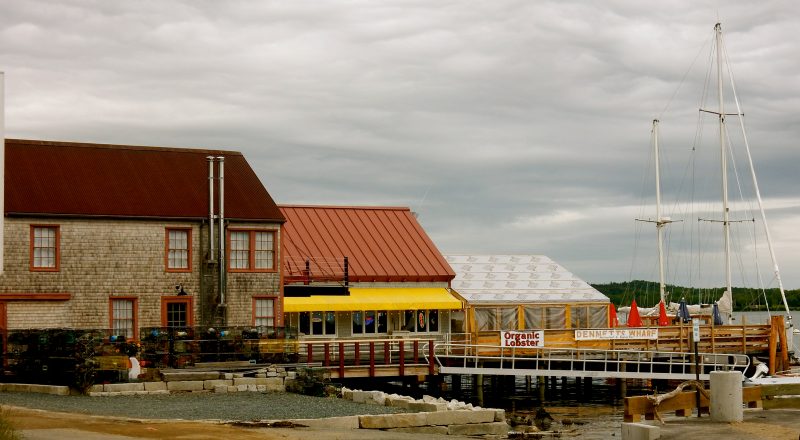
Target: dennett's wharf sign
(616, 333)
(528, 339)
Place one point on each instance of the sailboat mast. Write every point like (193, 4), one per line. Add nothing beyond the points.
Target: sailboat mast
(724, 162)
(659, 222)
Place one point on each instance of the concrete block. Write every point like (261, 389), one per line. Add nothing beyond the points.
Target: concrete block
(427, 407)
(227, 376)
(233, 389)
(238, 375)
(253, 388)
(98, 394)
(272, 374)
(185, 385)
(140, 393)
(95, 388)
(398, 402)
(130, 393)
(493, 428)
(213, 384)
(221, 389)
(244, 381)
(347, 394)
(113, 393)
(387, 421)
(330, 423)
(361, 396)
(190, 376)
(260, 375)
(261, 388)
(499, 415)
(158, 392)
(155, 386)
(460, 417)
(120, 387)
(275, 385)
(640, 431)
(429, 430)
(241, 387)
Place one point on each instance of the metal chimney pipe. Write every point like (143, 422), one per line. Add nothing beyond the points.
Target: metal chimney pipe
(222, 268)
(2, 167)
(211, 245)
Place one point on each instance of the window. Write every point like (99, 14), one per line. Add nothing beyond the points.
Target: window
(369, 322)
(178, 250)
(176, 311)
(264, 312)
(421, 320)
(251, 251)
(123, 317)
(317, 323)
(44, 248)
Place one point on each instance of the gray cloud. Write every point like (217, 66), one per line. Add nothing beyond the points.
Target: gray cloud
(510, 126)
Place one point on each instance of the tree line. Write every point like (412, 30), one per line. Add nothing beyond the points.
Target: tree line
(744, 299)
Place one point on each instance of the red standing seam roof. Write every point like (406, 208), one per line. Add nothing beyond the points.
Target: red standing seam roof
(383, 244)
(45, 178)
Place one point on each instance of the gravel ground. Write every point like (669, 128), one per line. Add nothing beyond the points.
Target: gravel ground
(199, 406)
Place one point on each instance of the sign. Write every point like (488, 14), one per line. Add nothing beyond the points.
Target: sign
(616, 333)
(526, 339)
(696, 330)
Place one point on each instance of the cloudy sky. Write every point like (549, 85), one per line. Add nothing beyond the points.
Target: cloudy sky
(508, 126)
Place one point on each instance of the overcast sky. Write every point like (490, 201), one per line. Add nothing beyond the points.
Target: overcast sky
(508, 126)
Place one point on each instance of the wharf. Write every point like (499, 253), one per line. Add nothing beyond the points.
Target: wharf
(772, 424)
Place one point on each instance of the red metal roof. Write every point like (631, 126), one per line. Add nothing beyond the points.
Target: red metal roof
(382, 243)
(76, 179)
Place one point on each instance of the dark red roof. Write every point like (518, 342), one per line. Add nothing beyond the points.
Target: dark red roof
(382, 243)
(76, 179)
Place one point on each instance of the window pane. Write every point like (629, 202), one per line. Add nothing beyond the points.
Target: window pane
(240, 250)
(122, 317)
(382, 321)
(433, 321)
(358, 322)
(556, 317)
(264, 250)
(265, 312)
(178, 254)
(509, 318)
(305, 323)
(316, 323)
(176, 315)
(369, 321)
(44, 246)
(578, 317)
(533, 317)
(422, 321)
(485, 319)
(410, 317)
(330, 323)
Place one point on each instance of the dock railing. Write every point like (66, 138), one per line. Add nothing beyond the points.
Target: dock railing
(456, 358)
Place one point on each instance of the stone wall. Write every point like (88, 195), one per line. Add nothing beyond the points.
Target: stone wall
(103, 258)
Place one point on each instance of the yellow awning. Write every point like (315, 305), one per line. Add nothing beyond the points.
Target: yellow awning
(362, 298)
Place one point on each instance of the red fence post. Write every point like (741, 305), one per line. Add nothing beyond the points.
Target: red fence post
(327, 361)
(310, 355)
(371, 359)
(341, 360)
(386, 353)
(402, 358)
(431, 364)
(416, 351)
(358, 353)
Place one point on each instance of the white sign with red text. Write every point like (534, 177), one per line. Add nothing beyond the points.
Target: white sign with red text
(523, 339)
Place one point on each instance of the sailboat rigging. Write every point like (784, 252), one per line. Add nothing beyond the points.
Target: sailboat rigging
(725, 302)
